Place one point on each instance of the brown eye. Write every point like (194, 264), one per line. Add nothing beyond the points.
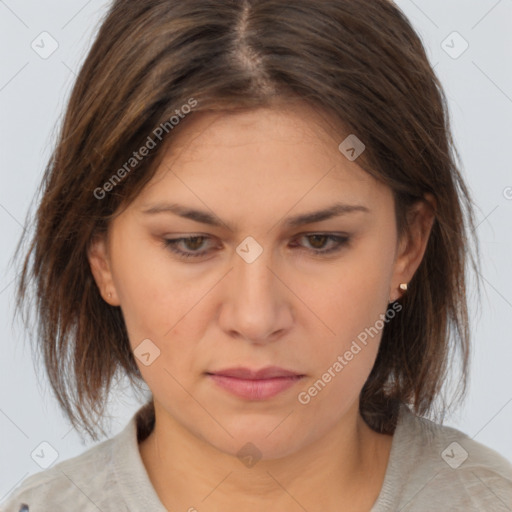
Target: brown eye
(318, 242)
(191, 245)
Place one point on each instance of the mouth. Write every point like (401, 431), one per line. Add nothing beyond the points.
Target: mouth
(255, 384)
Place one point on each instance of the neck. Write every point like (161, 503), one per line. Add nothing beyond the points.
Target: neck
(346, 464)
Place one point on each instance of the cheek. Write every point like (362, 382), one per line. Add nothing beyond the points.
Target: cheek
(159, 305)
(352, 304)
(343, 361)
(145, 286)
(356, 293)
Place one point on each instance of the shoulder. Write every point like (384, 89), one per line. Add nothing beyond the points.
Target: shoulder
(433, 467)
(77, 483)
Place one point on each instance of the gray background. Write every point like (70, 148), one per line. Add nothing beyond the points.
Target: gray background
(33, 92)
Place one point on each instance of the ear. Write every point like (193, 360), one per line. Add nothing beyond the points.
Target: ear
(412, 245)
(99, 261)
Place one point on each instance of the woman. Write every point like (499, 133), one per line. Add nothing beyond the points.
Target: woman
(254, 209)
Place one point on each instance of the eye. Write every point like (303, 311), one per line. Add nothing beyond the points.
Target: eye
(193, 243)
(318, 241)
(190, 247)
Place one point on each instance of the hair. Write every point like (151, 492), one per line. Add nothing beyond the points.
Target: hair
(359, 63)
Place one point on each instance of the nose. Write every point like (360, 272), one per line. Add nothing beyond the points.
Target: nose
(257, 304)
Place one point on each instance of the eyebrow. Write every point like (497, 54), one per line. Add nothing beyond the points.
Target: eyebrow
(205, 217)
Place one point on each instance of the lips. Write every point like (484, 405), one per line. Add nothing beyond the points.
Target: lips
(255, 384)
(269, 372)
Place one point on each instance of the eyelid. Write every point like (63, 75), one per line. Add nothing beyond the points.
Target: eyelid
(341, 241)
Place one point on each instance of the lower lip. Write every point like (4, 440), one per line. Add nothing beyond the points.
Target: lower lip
(255, 389)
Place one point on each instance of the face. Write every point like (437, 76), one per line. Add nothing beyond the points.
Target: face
(250, 288)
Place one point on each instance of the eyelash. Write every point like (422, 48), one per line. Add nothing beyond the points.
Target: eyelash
(341, 241)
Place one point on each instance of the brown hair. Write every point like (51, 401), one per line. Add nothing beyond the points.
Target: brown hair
(359, 62)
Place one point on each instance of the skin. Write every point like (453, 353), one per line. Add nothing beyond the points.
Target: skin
(289, 308)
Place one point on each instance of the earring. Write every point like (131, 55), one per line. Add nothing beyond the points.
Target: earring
(403, 287)
(109, 295)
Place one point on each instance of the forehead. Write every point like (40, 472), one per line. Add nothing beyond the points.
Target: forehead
(265, 160)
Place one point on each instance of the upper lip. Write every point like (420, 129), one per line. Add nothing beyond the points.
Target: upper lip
(269, 372)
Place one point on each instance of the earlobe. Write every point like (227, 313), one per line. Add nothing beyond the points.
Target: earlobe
(413, 245)
(99, 262)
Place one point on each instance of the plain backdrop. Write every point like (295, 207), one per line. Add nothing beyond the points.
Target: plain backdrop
(33, 93)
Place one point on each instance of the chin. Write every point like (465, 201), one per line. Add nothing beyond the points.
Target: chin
(259, 441)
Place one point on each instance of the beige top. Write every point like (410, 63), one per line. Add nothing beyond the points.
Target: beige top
(431, 468)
